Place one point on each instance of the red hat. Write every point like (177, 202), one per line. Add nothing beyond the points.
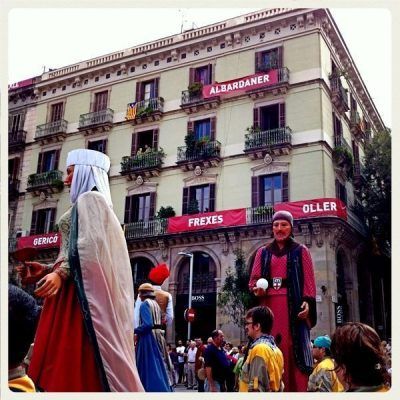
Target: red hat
(159, 274)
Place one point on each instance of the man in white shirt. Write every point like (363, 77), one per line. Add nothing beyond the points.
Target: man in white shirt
(180, 349)
(191, 357)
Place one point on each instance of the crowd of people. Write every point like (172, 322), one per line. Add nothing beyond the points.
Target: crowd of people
(90, 338)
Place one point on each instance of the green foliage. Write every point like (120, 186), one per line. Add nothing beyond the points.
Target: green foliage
(166, 212)
(195, 88)
(376, 191)
(235, 298)
(344, 159)
(58, 184)
(193, 207)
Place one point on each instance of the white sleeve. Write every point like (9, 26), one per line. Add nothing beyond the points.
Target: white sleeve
(169, 311)
(136, 312)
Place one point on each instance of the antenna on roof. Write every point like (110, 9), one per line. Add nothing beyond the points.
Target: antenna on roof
(182, 19)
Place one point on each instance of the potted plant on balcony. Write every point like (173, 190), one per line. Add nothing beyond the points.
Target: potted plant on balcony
(193, 207)
(163, 214)
(58, 184)
(343, 159)
(195, 88)
(190, 142)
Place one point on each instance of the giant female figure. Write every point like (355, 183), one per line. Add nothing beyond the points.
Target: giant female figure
(288, 267)
(84, 340)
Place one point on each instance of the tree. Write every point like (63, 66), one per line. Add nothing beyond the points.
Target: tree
(376, 191)
(235, 298)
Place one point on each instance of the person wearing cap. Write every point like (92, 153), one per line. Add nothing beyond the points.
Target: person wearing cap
(84, 339)
(323, 378)
(157, 276)
(288, 267)
(151, 350)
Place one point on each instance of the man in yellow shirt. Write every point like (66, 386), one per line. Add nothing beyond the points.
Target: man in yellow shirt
(263, 367)
(323, 378)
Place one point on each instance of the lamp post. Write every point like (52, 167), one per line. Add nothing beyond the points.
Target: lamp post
(191, 256)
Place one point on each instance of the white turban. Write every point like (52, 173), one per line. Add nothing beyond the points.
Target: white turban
(90, 171)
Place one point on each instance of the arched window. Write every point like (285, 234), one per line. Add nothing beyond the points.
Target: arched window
(141, 267)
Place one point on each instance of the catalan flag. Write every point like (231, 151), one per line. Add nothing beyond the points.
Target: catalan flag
(131, 111)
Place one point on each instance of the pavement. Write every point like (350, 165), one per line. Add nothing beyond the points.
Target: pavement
(182, 388)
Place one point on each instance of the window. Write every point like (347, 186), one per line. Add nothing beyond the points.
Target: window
(202, 128)
(143, 140)
(13, 168)
(48, 161)
(268, 190)
(341, 192)
(356, 155)
(270, 117)
(16, 123)
(42, 221)
(147, 90)
(201, 74)
(100, 101)
(269, 59)
(139, 207)
(353, 103)
(198, 199)
(337, 129)
(98, 145)
(56, 112)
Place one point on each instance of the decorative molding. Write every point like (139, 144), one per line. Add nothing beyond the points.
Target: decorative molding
(44, 202)
(264, 169)
(316, 230)
(305, 231)
(203, 179)
(224, 243)
(163, 245)
(140, 186)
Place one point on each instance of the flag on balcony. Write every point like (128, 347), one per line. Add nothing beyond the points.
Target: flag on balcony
(131, 111)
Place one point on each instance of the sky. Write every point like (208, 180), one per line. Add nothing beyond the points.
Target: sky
(54, 38)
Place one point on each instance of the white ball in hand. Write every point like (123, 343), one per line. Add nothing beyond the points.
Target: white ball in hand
(262, 283)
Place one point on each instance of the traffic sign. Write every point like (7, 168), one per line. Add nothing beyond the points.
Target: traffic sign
(189, 314)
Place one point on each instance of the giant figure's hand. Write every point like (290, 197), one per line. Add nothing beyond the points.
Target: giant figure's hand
(30, 272)
(305, 310)
(259, 292)
(49, 285)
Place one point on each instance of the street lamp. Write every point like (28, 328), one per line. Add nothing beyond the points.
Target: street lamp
(191, 256)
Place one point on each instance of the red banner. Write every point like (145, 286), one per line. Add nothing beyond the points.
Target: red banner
(196, 222)
(25, 82)
(44, 241)
(329, 207)
(241, 84)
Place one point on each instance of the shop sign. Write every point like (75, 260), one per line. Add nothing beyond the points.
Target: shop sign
(20, 84)
(243, 84)
(327, 207)
(210, 220)
(339, 314)
(44, 241)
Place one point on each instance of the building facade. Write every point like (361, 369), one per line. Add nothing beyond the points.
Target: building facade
(222, 124)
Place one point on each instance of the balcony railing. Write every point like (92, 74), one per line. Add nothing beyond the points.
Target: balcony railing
(149, 106)
(13, 188)
(340, 141)
(51, 128)
(45, 178)
(272, 137)
(283, 72)
(338, 90)
(96, 118)
(259, 215)
(199, 151)
(137, 230)
(355, 119)
(202, 283)
(142, 161)
(16, 138)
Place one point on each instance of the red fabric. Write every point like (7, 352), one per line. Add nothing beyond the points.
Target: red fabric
(63, 357)
(277, 301)
(159, 274)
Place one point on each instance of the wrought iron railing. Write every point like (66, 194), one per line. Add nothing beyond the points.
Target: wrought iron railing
(283, 72)
(137, 230)
(96, 118)
(340, 141)
(261, 214)
(338, 89)
(141, 161)
(51, 128)
(45, 178)
(272, 137)
(16, 138)
(200, 150)
(355, 119)
(149, 106)
(202, 283)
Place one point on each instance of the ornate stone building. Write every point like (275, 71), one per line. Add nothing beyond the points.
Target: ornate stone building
(221, 123)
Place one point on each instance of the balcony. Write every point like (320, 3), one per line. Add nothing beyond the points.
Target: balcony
(13, 189)
(148, 164)
(52, 132)
(145, 111)
(356, 125)
(138, 230)
(274, 141)
(281, 87)
(342, 142)
(203, 154)
(98, 121)
(192, 100)
(48, 182)
(339, 95)
(16, 140)
(342, 157)
(358, 175)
